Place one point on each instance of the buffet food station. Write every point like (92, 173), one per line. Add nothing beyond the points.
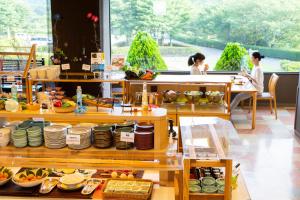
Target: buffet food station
(53, 148)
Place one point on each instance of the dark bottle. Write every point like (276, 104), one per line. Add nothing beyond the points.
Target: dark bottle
(171, 130)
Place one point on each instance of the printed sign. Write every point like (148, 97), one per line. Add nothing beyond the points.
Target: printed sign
(38, 119)
(65, 66)
(86, 67)
(73, 139)
(127, 137)
(10, 78)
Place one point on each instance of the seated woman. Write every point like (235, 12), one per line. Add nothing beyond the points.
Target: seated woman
(197, 63)
(257, 78)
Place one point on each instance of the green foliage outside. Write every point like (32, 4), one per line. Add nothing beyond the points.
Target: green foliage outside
(144, 53)
(20, 20)
(290, 66)
(231, 58)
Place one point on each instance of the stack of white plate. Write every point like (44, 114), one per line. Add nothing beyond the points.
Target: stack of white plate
(4, 136)
(35, 137)
(85, 137)
(55, 136)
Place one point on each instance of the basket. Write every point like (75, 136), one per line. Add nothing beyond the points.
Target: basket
(135, 196)
(64, 110)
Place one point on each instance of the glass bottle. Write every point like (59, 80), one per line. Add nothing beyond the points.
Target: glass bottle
(14, 92)
(144, 97)
(79, 97)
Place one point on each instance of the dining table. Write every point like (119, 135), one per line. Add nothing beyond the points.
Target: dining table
(242, 84)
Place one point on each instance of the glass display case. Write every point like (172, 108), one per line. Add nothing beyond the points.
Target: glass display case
(208, 168)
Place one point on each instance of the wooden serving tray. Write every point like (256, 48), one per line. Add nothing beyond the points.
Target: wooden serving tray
(134, 196)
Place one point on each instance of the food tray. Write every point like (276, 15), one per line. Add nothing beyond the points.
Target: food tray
(64, 110)
(134, 196)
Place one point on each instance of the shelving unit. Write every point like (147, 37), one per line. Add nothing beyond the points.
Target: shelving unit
(34, 82)
(23, 74)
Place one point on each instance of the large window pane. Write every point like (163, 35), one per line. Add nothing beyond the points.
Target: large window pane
(183, 27)
(26, 22)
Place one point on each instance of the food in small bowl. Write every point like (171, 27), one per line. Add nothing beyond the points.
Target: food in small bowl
(5, 175)
(30, 177)
(170, 96)
(193, 95)
(214, 96)
(72, 180)
(64, 106)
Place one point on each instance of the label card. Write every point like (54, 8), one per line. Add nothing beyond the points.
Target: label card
(127, 137)
(73, 139)
(38, 119)
(10, 78)
(65, 66)
(86, 67)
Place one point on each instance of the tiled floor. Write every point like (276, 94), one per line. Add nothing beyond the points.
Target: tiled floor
(270, 154)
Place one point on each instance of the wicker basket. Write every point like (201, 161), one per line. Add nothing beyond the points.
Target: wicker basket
(64, 110)
(134, 196)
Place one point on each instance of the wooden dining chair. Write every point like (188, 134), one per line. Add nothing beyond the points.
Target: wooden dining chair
(269, 96)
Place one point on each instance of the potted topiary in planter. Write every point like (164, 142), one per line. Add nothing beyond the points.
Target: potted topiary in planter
(144, 58)
(231, 58)
(144, 53)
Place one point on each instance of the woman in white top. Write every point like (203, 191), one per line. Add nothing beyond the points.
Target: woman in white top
(257, 78)
(197, 64)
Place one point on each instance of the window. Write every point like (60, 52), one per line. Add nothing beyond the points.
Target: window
(26, 22)
(184, 27)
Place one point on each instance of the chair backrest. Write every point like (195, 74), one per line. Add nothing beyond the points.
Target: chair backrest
(272, 84)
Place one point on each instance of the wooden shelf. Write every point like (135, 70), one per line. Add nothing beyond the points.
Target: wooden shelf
(157, 116)
(78, 80)
(90, 158)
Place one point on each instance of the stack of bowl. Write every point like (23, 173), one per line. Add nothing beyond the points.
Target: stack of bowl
(5, 136)
(55, 136)
(144, 136)
(125, 124)
(103, 137)
(117, 138)
(19, 138)
(85, 137)
(35, 137)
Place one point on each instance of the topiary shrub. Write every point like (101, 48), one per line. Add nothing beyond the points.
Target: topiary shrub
(231, 58)
(144, 53)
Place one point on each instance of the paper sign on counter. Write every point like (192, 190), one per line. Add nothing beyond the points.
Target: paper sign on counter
(38, 119)
(127, 137)
(10, 78)
(65, 66)
(86, 67)
(73, 139)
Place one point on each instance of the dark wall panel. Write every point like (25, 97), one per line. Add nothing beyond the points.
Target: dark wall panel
(74, 30)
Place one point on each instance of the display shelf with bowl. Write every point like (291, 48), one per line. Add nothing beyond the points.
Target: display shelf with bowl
(189, 95)
(208, 169)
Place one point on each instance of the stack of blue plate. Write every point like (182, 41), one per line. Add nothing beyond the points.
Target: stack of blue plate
(35, 137)
(19, 138)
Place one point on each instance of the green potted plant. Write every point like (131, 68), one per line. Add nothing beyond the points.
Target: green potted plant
(231, 58)
(144, 53)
